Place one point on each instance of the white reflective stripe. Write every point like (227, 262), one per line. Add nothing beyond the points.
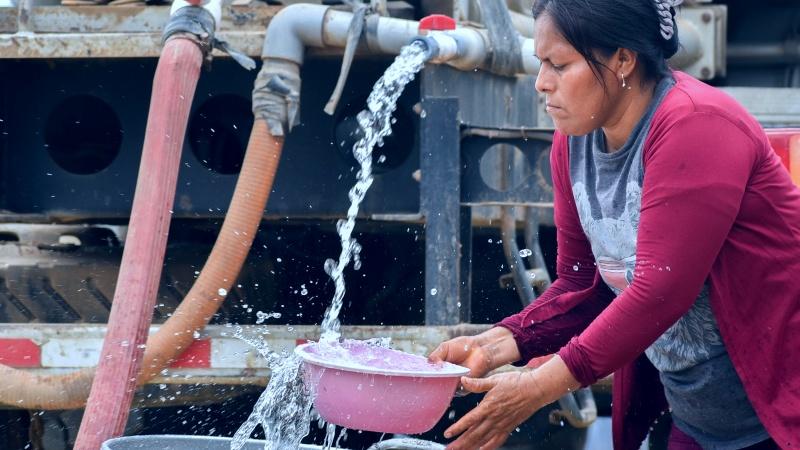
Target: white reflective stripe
(234, 353)
(225, 353)
(71, 352)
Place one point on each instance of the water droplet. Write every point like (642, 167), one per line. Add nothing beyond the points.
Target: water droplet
(525, 252)
(222, 292)
(575, 268)
(434, 291)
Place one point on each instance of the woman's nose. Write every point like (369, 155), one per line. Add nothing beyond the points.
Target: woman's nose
(543, 83)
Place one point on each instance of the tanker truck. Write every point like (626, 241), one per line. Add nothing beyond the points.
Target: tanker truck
(455, 233)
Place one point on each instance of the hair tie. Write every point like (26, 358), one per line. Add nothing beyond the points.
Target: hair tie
(665, 17)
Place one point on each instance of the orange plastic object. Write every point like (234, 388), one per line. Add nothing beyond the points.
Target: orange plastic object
(786, 144)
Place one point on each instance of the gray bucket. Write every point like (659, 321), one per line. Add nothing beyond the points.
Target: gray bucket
(175, 442)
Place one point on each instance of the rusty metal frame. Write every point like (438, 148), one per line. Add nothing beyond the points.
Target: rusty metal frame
(115, 31)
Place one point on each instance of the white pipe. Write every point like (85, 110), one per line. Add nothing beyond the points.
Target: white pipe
(530, 63)
(691, 49)
(466, 49)
(523, 23)
(392, 34)
(473, 47)
(385, 35)
(302, 25)
(441, 46)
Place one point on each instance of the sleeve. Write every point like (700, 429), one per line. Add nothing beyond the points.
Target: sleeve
(696, 172)
(577, 296)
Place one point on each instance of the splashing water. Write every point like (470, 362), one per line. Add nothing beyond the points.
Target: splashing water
(284, 408)
(376, 124)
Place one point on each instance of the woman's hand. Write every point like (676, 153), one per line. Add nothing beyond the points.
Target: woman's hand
(465, 351)
(510, 399)
(480, 354)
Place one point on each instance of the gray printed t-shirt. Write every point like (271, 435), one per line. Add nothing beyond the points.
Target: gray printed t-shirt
(704, 392)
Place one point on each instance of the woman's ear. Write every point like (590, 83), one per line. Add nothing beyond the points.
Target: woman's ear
(627, 61)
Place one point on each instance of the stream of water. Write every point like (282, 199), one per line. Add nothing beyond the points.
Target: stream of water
(284, 408)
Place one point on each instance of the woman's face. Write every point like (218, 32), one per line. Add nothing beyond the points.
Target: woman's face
(574, 96)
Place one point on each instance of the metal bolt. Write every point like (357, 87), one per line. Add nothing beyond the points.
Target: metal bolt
(705, 72)
(706, 17)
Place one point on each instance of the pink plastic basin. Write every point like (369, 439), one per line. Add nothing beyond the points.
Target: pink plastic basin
(366, 387)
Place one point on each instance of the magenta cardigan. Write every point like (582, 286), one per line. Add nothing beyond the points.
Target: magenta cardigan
(717, 206)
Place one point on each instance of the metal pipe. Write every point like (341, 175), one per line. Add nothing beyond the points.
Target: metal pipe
(522, 279)
(406, 444)
(758, 54)
(577, 408)
(542, 278)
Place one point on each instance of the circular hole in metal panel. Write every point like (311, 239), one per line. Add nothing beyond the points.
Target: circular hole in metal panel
(504, 167)
(218, 132)
(83, 135)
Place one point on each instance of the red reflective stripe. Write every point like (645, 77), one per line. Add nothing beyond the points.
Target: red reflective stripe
(198, 355)
(20, 353)
(300, 341)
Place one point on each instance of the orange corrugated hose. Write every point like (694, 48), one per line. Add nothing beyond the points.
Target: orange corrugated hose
(25, 390)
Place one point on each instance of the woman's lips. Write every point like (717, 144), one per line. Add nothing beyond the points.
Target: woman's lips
(550, 108)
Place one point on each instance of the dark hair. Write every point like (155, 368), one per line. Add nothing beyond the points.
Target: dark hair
(603, 26)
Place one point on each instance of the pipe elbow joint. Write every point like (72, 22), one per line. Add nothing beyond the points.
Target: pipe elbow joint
(294, 28)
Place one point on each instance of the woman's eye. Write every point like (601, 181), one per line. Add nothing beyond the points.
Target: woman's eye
(557, 67)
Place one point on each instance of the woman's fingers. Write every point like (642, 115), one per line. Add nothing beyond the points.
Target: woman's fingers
(478, 385)
(474, 437)
(484, 435)
(507, 404)
(469, 419)
(449, 351)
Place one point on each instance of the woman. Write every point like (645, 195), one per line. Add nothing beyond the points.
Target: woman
(678, 249)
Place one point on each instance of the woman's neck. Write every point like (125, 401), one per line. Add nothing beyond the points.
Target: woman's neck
(630, 109)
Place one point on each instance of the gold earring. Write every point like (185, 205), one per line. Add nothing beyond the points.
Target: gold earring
(624, 85)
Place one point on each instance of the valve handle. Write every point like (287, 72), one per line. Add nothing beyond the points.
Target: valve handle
(437, 22)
